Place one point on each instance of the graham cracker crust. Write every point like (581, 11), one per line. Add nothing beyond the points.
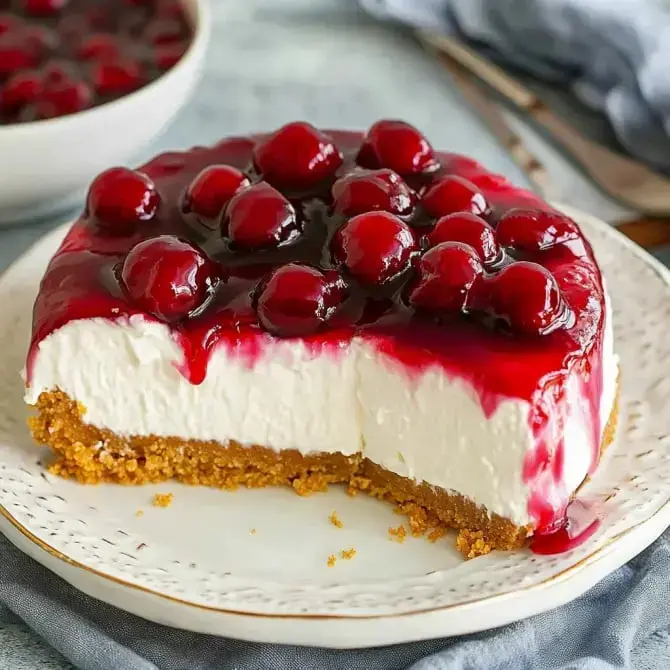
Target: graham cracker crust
(92, 455)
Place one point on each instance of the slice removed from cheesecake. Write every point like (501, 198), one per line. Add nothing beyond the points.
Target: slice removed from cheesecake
(312, 307)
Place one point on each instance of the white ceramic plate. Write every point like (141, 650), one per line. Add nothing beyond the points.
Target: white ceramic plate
(198, 565)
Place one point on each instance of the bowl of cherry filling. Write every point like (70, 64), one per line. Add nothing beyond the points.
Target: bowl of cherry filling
(85, 84)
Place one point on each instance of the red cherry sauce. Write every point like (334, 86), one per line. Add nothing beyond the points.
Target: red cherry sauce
(580, 522)
(82, 282)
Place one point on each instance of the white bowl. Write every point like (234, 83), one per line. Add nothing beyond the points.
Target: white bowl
(47, 165)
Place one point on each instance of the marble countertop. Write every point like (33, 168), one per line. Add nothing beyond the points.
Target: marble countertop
(320, 60)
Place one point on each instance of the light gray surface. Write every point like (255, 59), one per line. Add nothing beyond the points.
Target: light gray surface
(320, 60)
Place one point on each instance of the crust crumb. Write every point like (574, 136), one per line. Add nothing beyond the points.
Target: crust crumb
(162, 500)
(347, 554)
(335, 520)
(252, 531)
(331, 561)
(436, 534)
(472, 544)
(398, 534)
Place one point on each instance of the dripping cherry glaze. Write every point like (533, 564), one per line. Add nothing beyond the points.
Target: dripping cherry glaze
(82, 282)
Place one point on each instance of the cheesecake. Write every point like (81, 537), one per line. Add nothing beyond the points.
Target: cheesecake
(311, 307)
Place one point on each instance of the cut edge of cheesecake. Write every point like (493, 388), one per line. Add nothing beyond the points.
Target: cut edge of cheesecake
(92, 455)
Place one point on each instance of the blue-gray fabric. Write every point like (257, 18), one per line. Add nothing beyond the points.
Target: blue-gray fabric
(623, 622)
(614, 53)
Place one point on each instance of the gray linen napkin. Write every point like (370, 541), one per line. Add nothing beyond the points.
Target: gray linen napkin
(615, 54)
(622, 622)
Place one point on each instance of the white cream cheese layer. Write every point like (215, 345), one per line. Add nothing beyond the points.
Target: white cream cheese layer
(429, 427)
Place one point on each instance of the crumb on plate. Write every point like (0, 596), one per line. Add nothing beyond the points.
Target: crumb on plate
(335, 520)
(347, 554)
(139, 512)
(162, 499)
(398, 534)
(331, 561)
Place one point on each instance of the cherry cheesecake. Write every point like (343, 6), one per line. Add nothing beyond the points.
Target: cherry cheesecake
(311, 307)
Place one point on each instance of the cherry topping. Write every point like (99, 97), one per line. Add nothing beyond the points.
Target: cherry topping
(446, 274)
(298, 299)
(212, 188)
(44, 7)
(260, 216)
(297, 156)
(469, 229)
(117, 77)
(61, 97)
(365, 191)
(98, 47)
(119, 199)
(374, 247)
(534, 229)
(396, 145)
(167, 277)
(527, 297)
(15, 55)
(454, 194)
(20, 90)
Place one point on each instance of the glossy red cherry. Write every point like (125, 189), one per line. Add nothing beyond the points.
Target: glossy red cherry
(374, 247)
(62, 97)
(369, 190)
(20, 90)
(454, 194)
(98, 47)
(298, 299)
(167, 277)
(398, 146)
(116, 77)
(260, 216)
(297, 156)
(445, 276)
(469, 229)
(15, 56)
(119, 199)
(43, 7)
(534, 229)
(527, 296)
(211, 190)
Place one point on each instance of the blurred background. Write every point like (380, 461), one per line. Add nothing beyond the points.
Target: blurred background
(341, 63)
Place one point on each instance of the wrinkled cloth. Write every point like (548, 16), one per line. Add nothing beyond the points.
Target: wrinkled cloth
(622, 622)
(614, 53)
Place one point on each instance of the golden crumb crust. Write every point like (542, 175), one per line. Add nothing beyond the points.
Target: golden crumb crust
(92, 455)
